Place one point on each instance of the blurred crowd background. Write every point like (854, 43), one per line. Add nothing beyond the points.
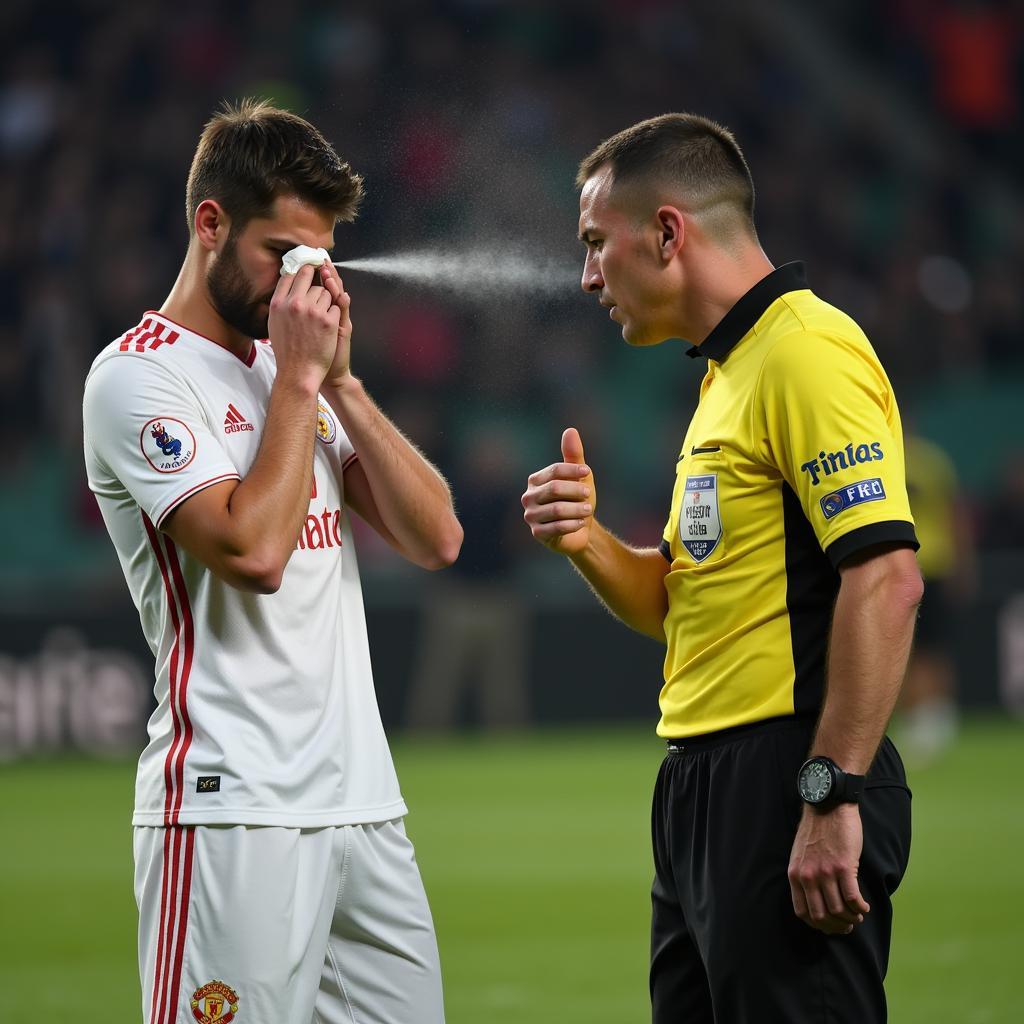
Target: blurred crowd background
(885, 146)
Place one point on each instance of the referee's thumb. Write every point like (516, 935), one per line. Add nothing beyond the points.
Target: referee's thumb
(572, 446)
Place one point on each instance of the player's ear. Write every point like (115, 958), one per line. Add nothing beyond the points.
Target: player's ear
(671, 231)
(212, 224)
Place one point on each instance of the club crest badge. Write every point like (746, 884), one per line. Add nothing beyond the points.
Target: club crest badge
(168, 444)
(214, 1003)
(700, 525)
(326, 429)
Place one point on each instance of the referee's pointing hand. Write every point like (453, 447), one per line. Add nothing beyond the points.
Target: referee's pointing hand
(560, 499)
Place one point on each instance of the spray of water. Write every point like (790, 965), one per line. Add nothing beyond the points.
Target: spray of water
(474, 273)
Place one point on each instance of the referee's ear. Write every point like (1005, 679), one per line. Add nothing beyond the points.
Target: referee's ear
(671, 231)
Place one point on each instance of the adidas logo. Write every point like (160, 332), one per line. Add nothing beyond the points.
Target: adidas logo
(234, 421)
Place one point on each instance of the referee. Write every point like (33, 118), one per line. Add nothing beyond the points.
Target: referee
(784, 588)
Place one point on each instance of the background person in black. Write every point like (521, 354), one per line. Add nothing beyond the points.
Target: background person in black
(666, 215)
(474, 644)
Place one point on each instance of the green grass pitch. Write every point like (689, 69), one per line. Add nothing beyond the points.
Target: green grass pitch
(535, 854)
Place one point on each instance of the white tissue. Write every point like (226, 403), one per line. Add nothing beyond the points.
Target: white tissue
(301, 256)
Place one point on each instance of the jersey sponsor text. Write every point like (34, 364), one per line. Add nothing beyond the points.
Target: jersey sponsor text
(322, 531)
(831, 462)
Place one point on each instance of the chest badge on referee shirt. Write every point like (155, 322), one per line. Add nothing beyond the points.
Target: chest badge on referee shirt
(700, 525)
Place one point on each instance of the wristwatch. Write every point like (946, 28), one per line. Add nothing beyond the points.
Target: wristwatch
(823, 784)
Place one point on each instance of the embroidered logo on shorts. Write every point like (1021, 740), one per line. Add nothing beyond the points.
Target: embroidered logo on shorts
(326, 429)
(208, 784)
(856, 494)
(169, 445)
(700, 526)
(214, 1002)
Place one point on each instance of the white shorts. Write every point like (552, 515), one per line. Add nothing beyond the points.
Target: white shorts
(268, 925)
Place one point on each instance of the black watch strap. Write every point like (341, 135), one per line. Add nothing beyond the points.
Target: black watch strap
(843, 787)
(849, 787)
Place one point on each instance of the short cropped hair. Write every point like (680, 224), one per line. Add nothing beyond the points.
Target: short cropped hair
(686, 151)
(251, 152)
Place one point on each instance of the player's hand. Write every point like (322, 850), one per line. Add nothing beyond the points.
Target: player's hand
(303, 326)
(560, 500)
(338, 372)
(823, 869)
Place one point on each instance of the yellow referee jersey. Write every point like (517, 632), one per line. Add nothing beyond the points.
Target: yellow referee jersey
(793, 462)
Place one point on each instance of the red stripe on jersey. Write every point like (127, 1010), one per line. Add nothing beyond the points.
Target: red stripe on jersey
(248, 360)
(154, 335)
(158, 967)
(144, 339)
(189, 643)
(150, 333)
(169, 925)
(179, 949)
(173, 682)
(172, 337)
(130, 335)
(348, 462)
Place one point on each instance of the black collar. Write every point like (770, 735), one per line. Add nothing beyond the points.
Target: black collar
(790, 277)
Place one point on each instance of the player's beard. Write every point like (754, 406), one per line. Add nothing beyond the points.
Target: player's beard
(231, 293)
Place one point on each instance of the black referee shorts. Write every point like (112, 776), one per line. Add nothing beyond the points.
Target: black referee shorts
(726, 946)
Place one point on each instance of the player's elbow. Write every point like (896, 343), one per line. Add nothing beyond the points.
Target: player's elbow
(446, 550)
(255, 574)
(266, 583)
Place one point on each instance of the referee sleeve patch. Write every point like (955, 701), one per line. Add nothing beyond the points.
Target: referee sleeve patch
(846, 497)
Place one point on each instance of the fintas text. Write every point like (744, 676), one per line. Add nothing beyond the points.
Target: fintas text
(828, 463)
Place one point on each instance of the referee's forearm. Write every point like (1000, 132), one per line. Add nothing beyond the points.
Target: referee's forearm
(629, 581)
(872, 629)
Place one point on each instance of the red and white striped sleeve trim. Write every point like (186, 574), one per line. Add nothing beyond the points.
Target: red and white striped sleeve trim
(195, 489)
(348, 462)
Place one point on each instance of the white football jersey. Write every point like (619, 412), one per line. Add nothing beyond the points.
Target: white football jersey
(266, 712)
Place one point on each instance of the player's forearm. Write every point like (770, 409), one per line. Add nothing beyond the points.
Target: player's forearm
(629, 581)
(267, 508)
(872, 629)
(412, 498)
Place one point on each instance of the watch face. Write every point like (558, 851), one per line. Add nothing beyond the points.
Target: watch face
(815, 782)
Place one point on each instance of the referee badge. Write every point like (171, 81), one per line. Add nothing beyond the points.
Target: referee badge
(700, 525)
